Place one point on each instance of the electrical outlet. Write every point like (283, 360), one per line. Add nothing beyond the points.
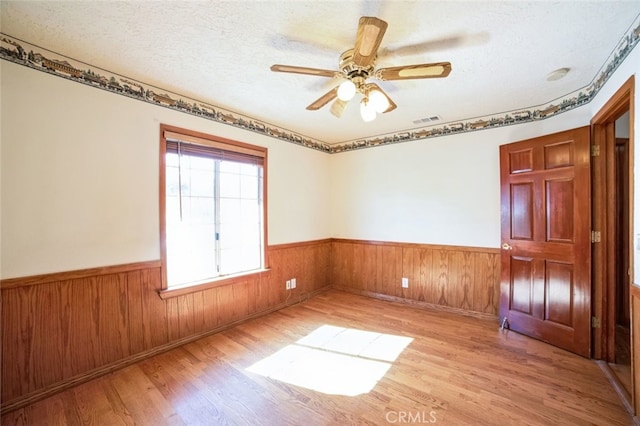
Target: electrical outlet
(288, 285)
(293, 283)
(405, 282)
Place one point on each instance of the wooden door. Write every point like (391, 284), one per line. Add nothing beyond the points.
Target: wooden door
(545, 288)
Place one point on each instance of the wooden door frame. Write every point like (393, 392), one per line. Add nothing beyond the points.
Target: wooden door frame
(603, 220)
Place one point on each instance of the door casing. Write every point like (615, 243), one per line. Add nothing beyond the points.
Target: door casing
(603, 220)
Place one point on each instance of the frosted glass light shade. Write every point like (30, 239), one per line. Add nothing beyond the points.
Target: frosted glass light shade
(367, 111)
(346, 90)
(378, 100)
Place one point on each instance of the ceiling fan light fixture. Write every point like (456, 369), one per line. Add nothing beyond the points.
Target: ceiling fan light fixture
(338, 107)
(357, 66)
(367, 111)
(379, 101)
(346, 90)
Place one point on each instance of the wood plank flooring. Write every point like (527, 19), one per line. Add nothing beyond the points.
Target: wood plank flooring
(455, 370)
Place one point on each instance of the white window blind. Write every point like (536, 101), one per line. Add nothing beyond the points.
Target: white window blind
(213, 209)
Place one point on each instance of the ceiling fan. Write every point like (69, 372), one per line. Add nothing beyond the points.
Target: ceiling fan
(357, 65)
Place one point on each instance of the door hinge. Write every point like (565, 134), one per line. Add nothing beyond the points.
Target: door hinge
(595, 150)
(595, 236)
(595, 322)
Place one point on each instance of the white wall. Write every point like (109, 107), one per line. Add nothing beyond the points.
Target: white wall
(80, 176)
(444, 190)
(622, 126)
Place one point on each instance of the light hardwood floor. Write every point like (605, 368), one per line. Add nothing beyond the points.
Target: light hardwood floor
(454, 370)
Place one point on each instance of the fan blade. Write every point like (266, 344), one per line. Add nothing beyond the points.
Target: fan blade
(392, 105)
(370, 33)
(338, 107)
(421, 48)
(444, 43)
(408, 72)
(305, 70)
(324, 99)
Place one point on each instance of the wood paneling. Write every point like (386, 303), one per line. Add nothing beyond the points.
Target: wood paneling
(60, 329)
(81, 273)
(460, 278)
(521, 161)
(455, 370)
(560, 210)
(522, 222)
(558, 155)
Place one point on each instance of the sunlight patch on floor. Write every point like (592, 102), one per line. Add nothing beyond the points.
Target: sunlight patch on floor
(334, 360)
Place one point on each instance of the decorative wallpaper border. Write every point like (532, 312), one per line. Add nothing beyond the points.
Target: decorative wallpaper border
(40, 59)
(26, 54)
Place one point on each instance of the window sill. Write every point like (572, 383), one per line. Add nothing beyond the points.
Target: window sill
(176, 291)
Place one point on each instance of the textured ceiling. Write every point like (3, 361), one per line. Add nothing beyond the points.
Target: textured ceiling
(220, 52)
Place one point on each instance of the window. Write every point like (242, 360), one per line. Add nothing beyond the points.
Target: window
(211, 207)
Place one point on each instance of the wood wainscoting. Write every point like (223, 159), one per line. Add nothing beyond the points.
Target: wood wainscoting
(434, 368)
(459, 279)
(61, 329)
(65, 328)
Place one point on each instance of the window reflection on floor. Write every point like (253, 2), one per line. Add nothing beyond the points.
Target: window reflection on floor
(334, 360)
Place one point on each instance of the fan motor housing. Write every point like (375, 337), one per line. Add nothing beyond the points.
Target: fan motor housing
(351, 70)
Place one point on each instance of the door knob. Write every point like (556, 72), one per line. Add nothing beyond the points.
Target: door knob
(506, 246)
